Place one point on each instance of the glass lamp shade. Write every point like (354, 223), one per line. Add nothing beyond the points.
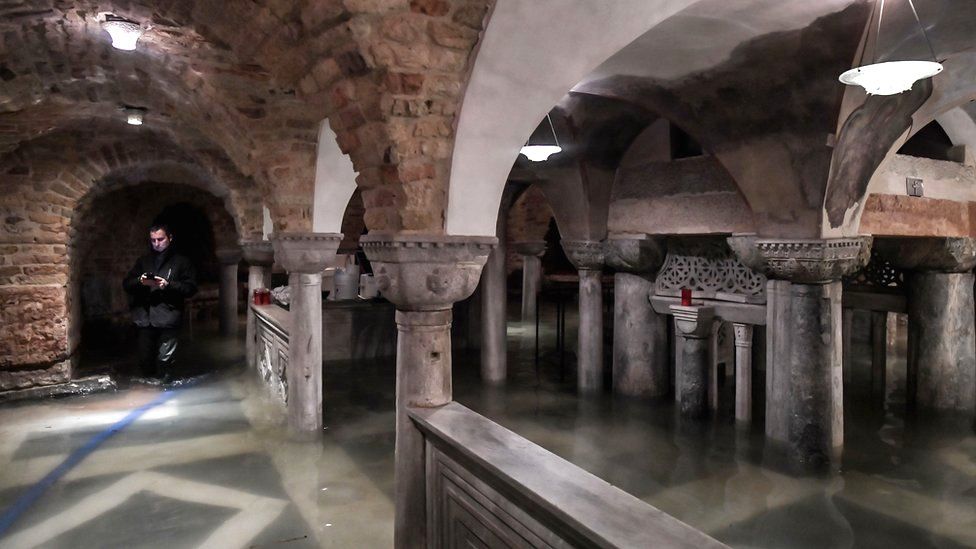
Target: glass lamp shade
(891, 77)
(124, 34)
(540, 153)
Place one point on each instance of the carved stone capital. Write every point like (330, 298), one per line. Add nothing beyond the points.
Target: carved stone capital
(635, 253)
(585, 255)
(531, 247)
(228, 256)
(305, 253)
(743, 334)
(804, 261)
(693, 321)
(947, 255)
(426, 272)
(258, 252)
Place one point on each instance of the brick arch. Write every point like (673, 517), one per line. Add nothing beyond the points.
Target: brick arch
(45, 190)
(388, 76)
(113, 236)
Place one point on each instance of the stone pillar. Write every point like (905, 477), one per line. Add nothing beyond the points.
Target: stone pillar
(804, 378)
(423, 276)
(494, 305)
(227, 296)
(941, 333)
(531, 253)
(587, 256)
(879, 353)
(259, 255)
(743, 373)
(693, 324)
(305, 256)
(641, 364)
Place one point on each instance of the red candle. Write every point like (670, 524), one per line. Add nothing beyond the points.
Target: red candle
(256, 296)
(686, 297)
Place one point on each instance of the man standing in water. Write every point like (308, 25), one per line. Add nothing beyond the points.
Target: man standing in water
(158, 283)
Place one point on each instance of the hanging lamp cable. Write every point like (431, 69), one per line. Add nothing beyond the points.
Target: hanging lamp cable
(553, 130)
(921, 27)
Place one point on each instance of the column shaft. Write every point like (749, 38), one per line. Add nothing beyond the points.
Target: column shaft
(743, 373)
(493, 325)
(228, 298)
(879, 353)
(640, 339)
(590, 346)
(804, 399)
(304, 373)
(816, 428)
(531, 280)
(693, 392)
(941, 341)
(423, 380)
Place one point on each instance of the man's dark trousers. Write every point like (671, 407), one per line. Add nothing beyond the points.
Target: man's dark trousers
(157, 351)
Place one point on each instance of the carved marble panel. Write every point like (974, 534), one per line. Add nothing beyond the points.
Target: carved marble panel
(272, 359)
(463, 511)
(710, 269)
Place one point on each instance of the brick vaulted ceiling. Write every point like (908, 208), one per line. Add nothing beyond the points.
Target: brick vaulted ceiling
(248, 82)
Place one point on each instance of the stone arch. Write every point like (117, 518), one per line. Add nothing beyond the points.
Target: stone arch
(514, 82)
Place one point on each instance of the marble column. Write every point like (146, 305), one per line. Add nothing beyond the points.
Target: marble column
(587, 256)
(879, 353)
(531, 253)
(259, 255)
(641, 364)
(229, 258)
(743, 373)
(494, 306)
(423, 276)
(941, 331)
(305, 256)
(693, 325)
(804, 377)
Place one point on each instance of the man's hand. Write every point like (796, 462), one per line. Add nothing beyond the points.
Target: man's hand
(161, 282)
(146, 281)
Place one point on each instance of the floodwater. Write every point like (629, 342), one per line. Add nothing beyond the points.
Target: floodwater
(211, 466)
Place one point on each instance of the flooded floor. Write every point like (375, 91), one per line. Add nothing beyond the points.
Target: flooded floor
(209, 464)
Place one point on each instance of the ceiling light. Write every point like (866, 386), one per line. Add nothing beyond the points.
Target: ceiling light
(124, 33)
(134, 116)
(541, 153)
(891, 77)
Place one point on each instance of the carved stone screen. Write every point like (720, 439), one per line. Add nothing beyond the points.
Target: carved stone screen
(709, 268)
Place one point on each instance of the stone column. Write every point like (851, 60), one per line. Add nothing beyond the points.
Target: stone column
(641, 365)
(743, 373)
(879, 353)
(587, 256)
(531, 253)
(693, 324)
(423, 275)
(804, 378)
(305, 256)
(941, 333)
(259, 255)
(494, 306)
(227, 296)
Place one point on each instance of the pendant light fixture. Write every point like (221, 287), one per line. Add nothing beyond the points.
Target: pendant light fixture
(124, 33)
(134, 116)
(541, 153)
(891, 77)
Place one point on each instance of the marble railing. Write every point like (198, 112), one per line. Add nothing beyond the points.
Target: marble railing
(488, 487)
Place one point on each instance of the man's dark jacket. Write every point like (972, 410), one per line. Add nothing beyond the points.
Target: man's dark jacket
(155, 307)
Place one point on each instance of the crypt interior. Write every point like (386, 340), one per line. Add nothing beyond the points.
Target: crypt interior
(529, 273)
